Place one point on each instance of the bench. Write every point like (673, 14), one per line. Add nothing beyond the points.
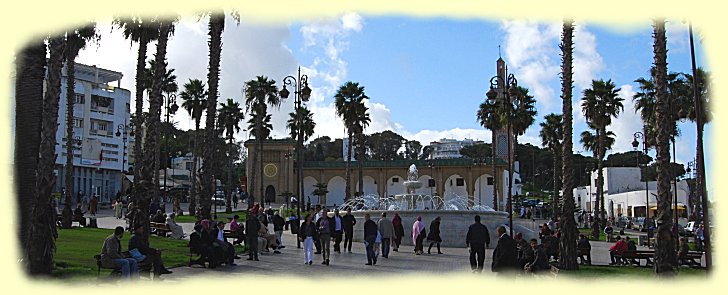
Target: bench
(554, 272)
(161, 229)
(116, 271)
(690, 259)
(81, 220)
(584, 252)
(228, 234)
(637, 255)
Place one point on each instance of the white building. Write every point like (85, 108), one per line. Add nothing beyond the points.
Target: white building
(100, 110)
(450, 148)
(625, 194)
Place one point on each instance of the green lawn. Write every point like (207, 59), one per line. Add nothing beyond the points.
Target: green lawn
(220, 215)
(76, 248)
(622, 272)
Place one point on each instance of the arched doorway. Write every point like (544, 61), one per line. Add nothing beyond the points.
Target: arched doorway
(336, 188)
(370, 186)
(455, 186)
(483, 193)
(270, 194)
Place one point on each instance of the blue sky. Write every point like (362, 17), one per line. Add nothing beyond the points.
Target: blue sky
(425, 76)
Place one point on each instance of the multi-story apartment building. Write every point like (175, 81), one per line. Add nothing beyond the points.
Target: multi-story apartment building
(102, 142)
(450, 148)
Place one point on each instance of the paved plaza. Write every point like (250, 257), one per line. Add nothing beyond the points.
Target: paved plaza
(290, 261)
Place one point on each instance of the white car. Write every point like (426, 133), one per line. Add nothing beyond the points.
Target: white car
(690, 228)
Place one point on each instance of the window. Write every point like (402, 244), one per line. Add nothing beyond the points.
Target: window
(460, 182)
(490, 180)
(78, 122)
(79, 98)
(395, 179)
(188, 165)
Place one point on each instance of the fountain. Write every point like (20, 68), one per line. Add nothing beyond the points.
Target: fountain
(456, 212)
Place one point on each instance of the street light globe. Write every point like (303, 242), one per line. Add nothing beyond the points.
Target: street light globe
(305, 93)
(284, 92)
(491, 94)
(635, 143)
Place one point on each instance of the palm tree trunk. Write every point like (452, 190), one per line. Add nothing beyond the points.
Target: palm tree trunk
(347, 191)
(215, 26)
(360, 157)
(41, 228)
(495, 172)
(71, 54)
(260, 165)
(228, 207)
(665, 255)
(511, 144)
(555, 194)
(193, 180)
(253, 172)
(138, 123)
(600, 176)
(30, 71)
(151, 139)
(567, 224)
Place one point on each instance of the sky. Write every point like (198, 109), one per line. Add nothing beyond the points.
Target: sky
(425, 76)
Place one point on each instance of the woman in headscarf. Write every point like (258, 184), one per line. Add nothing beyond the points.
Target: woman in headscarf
(418, 235)
(434, 236)
(118, 205)
(307, 234)
(177, 232)
(398, 231)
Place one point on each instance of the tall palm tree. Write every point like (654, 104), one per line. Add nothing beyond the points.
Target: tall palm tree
(301, 119)
(665, 254)
(599, 104)
(259, 93)
(145, 189)
(229, 119)
(551, 138)
(30, 66)
(567, 231)
(76, 40)
(194, 102)
(346, 100)
(169, 86)
(590, 142)
(489, 115)
(143, 31)
(519, 115)
(38, 217)
(216, 25)
(361, 122)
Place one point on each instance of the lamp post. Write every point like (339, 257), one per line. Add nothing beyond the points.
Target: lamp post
(301, 94)
(125, 129)
(635, 145)
(691, 203)
(170, 107)
(505, 88)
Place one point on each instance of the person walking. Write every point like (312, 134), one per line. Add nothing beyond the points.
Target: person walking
(278, 223)
(418, 235)
(348, 222)
(252, 226)
(370, 237)
(338, 230)
(398, 231)
(477, 239)
(316, 217)
(386, 229)
(307, 233)
(326, 227)
(434, 236)
(505, 253)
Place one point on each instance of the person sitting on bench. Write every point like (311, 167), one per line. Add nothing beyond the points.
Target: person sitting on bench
(227, 249)
(540, 258)
(111, 255)
(177, 231)
(78, 215)
(631, 248)
(159, 217)
(152, 255)
(584, 247)
(238, 230)
(617, 249)
(198, 245)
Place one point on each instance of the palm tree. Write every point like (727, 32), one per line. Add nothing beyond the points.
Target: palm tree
(194, 102)
(519, 115)
(145, 189)
(30, 66)
(229, 119)
(665, 255)
(599, 104)
(346, 100)
(143, 31)
(169, 85)
(301, 119)
(489, 116)
(590, 142)
(76, 40)
(551, 138)
(361, 122)
(35, 150)
(260, 93)
(567, 230)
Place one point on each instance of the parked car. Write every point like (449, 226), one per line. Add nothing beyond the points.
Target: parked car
(637, 223)
(690, 228)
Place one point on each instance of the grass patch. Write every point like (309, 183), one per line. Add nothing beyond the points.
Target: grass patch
(76, 248)
(220, 215)
(620, 272)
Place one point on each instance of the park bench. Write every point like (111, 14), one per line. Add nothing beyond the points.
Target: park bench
(234, 235)
(74, 218)
(690, 259)
(161, 229)
(637, 255)
(554, 272)
(145, 267)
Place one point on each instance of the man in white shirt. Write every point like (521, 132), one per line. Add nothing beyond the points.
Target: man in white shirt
(338, 231)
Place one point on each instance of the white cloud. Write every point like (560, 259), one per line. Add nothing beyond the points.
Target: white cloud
(587, 61)
(627, 123)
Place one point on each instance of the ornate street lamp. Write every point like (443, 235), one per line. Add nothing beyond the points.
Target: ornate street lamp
(301, 94)
(125, 130)
(170, 107)
(635, 145)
